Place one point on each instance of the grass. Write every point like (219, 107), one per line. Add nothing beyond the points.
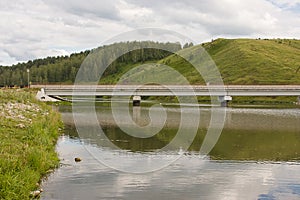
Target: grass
(28, 135)
(240, 61)
(248, 61)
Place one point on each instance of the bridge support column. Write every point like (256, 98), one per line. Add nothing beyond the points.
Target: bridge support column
(136, 114)
(136, 100)
(298, 100)
(224, 100)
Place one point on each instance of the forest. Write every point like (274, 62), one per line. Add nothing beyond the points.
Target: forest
(63, 69)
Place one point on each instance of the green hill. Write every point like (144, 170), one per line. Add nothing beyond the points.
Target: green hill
(248, 61)
(245, 61)
(240, 61)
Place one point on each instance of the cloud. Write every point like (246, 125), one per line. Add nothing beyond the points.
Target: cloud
(37, 29)
(286, 3)
(34, 28)
(87, 8)
(240, 18)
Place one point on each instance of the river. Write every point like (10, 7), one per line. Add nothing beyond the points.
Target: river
(257, 156)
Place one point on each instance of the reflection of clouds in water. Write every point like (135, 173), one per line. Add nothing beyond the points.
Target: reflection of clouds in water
(269, 180)
(246, 182)
(211, 180)
(288, 188)
(215, 181)
(125, 181)
(288, 192)
(188, 178)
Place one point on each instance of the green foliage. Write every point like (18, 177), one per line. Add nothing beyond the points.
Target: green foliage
(42, 71)
(120, 58)
(64, 69)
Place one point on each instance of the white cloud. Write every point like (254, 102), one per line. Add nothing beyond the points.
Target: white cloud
(87, 8)
(38, 28)
(286, 3)
(240, 18)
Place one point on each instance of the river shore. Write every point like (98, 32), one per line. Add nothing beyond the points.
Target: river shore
(29, 130)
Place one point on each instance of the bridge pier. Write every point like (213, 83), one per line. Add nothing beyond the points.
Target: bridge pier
(136, 100)
(224, 100)
(298, 100)
(136, 114)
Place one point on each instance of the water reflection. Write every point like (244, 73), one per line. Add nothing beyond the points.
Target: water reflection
(256, 157)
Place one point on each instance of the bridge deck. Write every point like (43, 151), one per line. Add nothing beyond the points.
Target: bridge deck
(171, 90)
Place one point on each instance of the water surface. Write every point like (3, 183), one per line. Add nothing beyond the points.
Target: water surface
(256, 157)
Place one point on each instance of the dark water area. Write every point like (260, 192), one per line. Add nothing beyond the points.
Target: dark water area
(257, 156)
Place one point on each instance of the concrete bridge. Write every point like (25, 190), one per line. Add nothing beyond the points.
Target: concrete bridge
(225, 93)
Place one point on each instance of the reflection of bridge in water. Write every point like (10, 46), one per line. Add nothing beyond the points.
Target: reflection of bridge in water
(225, 93)
(236, 119)
(272, 133)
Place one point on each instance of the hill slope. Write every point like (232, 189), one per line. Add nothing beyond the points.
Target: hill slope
(245, 61)
(240, 61)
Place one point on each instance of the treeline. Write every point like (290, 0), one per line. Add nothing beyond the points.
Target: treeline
(42, 71)
(63, 69)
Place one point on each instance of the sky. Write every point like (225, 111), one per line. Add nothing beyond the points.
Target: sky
(33, 29)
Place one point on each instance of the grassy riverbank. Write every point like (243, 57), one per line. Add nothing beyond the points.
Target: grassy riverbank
(28, 133)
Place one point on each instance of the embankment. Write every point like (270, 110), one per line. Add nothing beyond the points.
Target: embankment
(28, 133)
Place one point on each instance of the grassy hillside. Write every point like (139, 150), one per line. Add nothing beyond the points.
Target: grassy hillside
(245, 61)
(240, 61)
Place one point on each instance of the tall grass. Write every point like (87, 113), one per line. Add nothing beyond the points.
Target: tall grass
(28, 135)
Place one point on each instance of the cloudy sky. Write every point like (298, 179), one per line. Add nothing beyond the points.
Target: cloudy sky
(39, 28)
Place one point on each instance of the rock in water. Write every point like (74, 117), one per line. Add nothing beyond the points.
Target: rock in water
(36, 193)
